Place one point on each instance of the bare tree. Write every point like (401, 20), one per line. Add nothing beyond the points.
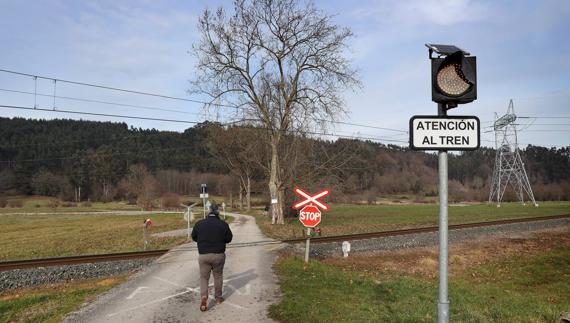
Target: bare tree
(279, 62)
(237, 148)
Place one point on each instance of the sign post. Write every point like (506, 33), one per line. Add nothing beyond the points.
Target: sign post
(204, 196)
(443, 133)
(454, 82)
(310, 215)
(189, 216)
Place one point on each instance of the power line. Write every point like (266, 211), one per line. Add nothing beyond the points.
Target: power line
(113, 88)
(99, 114)
(154, 95)
(101, 102)
(548, 117)
(361, 125)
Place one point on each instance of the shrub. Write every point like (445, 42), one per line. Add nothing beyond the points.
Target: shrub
(53, 204)
(86, 204)
(3, 202)
(170, 200)
(16, 203)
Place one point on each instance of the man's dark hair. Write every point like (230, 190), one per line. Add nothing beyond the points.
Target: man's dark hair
(214, 209)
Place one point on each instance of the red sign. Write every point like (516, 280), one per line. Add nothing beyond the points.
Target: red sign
(313, 199)
(310, 216)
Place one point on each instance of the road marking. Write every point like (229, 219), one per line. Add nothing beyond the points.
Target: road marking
(168, 282)
(148, 303)
(136, 291)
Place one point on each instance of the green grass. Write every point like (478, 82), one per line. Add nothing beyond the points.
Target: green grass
(347, 219)
(51, 302)
(44, 204)
(38, 236)
(530, 289)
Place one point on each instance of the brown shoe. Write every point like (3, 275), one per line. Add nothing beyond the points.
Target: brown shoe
(219, 300)
(204, 304)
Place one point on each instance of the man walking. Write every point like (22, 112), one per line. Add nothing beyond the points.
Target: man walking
(211, 234)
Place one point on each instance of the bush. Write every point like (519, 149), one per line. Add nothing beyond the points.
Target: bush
(170, 200)
(86, 204)
(3, 202)
(69, 204)
(15, 203)
(53, 204)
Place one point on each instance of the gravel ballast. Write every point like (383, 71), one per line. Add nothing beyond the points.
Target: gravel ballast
(19, 278)
(428, 239)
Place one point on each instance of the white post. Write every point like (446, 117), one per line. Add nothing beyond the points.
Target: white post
(307, 244)
(188, 217)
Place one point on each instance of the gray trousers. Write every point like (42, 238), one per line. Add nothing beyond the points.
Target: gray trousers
(211, 262)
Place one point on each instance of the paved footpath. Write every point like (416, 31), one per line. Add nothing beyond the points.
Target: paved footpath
(168, 291)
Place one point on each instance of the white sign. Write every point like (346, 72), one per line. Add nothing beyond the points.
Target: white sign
(445, 133)
(273, 201)
(204, 195)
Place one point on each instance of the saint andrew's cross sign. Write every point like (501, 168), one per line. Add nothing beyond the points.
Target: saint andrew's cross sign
(311, 199)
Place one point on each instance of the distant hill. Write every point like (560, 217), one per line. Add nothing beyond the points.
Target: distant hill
(55, 157)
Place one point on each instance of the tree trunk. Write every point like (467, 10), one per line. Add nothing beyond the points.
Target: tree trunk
(248, 194)
(275, 184)
(240, 197)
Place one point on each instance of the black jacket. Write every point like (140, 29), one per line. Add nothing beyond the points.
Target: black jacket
(211, 234)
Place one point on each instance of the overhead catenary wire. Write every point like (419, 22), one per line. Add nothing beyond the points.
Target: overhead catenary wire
(206, 103)
(101, 102)
(114, 88)
(177, 121)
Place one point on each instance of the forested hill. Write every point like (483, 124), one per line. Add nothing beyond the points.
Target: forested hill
(54, 157)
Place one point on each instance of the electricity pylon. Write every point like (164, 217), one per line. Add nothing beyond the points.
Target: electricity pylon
(509, 168)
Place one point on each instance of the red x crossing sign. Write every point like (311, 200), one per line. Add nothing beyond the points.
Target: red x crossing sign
(311, 199)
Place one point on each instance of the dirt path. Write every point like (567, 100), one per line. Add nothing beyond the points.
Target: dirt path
(168, 291)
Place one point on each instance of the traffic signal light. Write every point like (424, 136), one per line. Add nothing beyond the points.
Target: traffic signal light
(453, 75)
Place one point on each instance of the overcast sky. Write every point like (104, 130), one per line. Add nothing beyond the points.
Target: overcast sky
(522, 49)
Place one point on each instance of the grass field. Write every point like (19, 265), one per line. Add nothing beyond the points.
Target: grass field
(347, 219)
(38, 236)
(51, 302)
(515, 280)
(44, 204)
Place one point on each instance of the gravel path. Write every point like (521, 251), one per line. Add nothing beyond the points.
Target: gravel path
(19, 278)
(167, 290)
(428, 239)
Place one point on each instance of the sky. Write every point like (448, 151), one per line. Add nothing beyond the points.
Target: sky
(522, 49)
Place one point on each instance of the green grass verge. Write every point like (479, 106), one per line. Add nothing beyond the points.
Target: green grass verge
(38, 236)
(348, 219)
(51, 302)
(533, 289)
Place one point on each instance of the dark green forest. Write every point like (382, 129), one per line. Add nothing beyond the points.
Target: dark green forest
(103, 161)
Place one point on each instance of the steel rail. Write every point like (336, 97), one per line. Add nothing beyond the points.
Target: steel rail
(72, 260)
(370, 235)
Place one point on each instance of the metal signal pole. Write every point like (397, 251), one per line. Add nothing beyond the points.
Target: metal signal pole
(443, 300)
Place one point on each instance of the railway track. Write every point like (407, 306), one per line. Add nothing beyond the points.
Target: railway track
(71, 260)
(361, 236)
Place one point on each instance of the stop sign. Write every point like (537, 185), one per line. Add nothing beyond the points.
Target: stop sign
(310, 216)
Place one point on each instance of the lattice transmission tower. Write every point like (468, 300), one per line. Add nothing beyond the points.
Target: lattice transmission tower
(509, 167)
